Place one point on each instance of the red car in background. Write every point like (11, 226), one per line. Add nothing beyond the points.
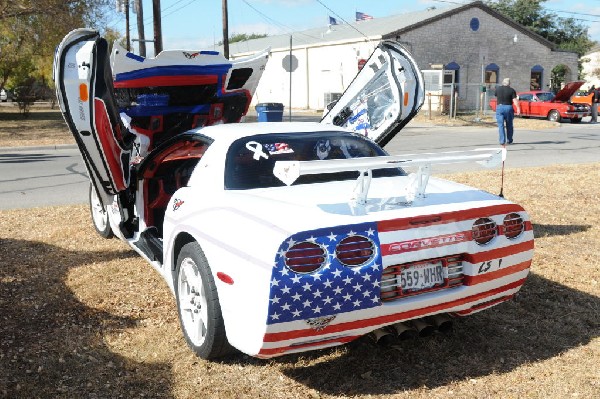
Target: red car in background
(545, 104)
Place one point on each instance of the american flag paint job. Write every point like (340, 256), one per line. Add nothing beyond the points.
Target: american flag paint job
(334, 289)
(338, 304)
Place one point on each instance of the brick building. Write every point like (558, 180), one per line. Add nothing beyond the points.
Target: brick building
(472, 46)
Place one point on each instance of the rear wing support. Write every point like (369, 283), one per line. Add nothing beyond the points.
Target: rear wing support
(289, 171)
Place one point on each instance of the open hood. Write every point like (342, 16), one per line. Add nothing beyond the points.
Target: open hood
(383, 97)
(110, 101)
(565, 94)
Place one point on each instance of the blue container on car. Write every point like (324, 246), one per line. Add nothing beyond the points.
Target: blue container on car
(153, 100)
(269, 112)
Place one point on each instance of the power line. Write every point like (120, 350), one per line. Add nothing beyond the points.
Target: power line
(267, 18)
(578, 13)
(279, 24)
(149, 19)
(346, 22)
(113, 25)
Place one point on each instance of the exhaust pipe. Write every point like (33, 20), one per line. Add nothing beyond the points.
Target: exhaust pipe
(382, 336)
(442, 322)
(404, 331)
(424, 328)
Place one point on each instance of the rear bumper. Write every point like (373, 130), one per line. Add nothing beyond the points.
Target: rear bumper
(479, 293)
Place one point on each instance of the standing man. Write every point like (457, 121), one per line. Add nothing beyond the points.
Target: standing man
(506, 97)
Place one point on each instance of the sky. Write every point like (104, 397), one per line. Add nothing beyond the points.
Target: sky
(197, 24)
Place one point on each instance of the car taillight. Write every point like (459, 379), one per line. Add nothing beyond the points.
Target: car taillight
(305, 257)
(355, 250)
(484, 230)
(513, 225)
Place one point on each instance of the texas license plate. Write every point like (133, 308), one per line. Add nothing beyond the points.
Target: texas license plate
(422, 276)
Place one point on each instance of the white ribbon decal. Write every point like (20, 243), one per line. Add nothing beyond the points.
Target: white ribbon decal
(256, 148)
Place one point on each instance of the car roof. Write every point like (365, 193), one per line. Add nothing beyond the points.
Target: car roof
(534, 92)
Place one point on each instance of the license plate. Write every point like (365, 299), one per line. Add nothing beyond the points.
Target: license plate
(422, 276)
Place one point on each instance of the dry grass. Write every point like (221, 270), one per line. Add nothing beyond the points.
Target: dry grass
(85, 317)
(42, 126)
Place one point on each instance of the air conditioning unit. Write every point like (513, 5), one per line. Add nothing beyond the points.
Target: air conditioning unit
(331, 98)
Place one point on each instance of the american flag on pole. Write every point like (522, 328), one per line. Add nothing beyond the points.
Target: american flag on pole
(361, 16)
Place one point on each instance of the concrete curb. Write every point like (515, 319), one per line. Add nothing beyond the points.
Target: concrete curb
(56, 147)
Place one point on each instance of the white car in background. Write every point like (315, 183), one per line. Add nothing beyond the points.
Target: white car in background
(278, 238)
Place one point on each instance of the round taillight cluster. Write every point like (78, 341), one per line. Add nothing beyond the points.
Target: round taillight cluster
(305, 257)
(484, 230)
(513, 225)
(355, 250)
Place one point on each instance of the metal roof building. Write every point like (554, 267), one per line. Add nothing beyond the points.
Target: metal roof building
(475, 45)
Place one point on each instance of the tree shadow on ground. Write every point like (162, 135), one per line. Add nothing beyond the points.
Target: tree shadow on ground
(27, 157)
(550, 230)
(51, 343)
(33, 116)
(545, 320)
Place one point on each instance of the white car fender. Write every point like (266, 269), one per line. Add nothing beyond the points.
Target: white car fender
(242, 279)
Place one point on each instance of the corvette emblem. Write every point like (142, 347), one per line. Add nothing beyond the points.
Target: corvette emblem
(190, 56)
(177, 203)
(319, 323)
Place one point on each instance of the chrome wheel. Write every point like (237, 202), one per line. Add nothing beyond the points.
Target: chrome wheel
(554, 116)
(99, 215)
(192, 302)
(198, 304)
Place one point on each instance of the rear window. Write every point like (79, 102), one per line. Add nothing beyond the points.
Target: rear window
(250, 160)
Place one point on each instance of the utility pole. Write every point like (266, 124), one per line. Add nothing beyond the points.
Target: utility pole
(157, 27)
(225, 31)
(138, 8)
(128, 39)
(123, 6)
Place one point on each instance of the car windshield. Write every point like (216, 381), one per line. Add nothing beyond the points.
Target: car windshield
(545, 96)
(250, 160)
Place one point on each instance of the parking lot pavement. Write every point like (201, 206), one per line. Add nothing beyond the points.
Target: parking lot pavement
(45, 172)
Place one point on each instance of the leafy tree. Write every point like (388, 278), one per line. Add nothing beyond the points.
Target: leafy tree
(567, 33)
(30, 30)
(112, 36)
(242, 37)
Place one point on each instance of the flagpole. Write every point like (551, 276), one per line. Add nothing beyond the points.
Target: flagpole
(290, 101)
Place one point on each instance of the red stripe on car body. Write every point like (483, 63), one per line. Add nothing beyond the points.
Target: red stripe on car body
(389, 319)
(187, 80)
(445, 217)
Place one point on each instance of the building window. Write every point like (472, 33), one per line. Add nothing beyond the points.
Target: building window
(491, 74)
(536, 78)
(451, 77)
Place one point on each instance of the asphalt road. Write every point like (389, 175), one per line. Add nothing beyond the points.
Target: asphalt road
(35, 177)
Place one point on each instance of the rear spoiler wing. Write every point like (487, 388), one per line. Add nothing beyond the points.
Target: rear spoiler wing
(289, 171)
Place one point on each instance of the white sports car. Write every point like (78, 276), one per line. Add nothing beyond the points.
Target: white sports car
(284, 237)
